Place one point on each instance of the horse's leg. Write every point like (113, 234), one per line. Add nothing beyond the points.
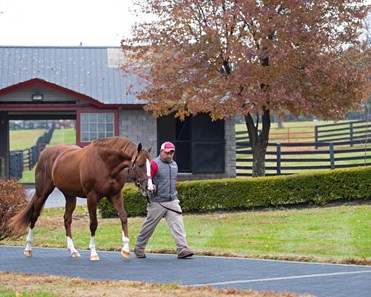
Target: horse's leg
(36, 206)
(43, 188)
(118, 204)
(70, 207)
(92, 208)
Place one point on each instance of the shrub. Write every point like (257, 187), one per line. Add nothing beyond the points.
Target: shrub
(12, 199)
(246, 193)
(134, 203)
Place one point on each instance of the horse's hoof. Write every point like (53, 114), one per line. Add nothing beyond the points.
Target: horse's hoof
(94, 258)
(125, 254)
(27, 253)
(75, 255)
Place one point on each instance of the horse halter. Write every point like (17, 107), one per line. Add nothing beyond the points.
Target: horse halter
(138, 181)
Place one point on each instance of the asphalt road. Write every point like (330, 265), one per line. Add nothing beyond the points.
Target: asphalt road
(322, 280)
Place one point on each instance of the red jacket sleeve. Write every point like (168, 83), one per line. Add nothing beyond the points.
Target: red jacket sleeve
(154, 168)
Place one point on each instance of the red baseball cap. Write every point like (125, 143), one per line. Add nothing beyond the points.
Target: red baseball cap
(168, 147)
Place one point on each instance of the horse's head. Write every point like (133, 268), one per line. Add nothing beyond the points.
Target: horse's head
(140, 170)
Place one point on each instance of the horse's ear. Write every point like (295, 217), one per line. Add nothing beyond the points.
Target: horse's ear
(139, 147)
(149, 149)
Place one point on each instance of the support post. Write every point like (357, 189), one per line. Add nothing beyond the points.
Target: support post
(332, 155)
(278, 149)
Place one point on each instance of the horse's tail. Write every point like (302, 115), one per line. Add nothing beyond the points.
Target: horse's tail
(22, 220)
(43, 187)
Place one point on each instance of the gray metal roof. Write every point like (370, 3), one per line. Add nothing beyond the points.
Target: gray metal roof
(90, 71)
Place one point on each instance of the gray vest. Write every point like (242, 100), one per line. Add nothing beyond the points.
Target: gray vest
(165, 181)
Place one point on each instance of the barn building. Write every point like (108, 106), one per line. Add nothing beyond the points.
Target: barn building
(86, 84)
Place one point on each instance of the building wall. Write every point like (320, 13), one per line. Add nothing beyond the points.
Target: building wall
(230, 147)
(141, 126)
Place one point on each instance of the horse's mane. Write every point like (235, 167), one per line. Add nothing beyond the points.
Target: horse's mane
(115, 143)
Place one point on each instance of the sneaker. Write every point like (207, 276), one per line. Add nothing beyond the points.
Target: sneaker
(139, 253)
(186, 253)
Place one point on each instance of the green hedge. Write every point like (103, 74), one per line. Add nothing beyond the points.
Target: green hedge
(244, 193)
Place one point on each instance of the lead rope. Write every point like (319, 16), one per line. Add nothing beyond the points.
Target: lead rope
(173, 210)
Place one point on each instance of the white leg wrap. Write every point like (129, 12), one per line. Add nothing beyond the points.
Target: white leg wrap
(125, 241)
(29, 240)
(71, 247)
(93, 252)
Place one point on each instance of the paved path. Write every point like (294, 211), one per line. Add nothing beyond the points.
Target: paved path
(322, 280)
(55, 199)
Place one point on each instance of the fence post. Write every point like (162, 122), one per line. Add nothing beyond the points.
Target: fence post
(316, 135)
(29, 158)
(278, 149)
(34, 150)
(351, 133)
(16, 164)
(332, 155)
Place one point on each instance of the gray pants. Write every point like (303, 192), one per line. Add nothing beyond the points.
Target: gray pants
(155, 212)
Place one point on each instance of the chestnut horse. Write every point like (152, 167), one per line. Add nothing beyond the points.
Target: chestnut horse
(92, 172)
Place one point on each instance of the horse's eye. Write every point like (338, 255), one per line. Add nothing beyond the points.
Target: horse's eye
(141, 166)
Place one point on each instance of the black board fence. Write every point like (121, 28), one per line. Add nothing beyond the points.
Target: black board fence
(22, 160)
(354, 132)
(342, 145)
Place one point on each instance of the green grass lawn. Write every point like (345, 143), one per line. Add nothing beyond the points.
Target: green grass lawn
(330, 234)
(23, 139)
(63, 136)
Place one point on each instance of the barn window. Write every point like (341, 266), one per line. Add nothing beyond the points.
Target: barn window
(95, 125)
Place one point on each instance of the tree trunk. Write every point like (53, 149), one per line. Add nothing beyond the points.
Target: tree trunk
(258, 165)
(258, 141)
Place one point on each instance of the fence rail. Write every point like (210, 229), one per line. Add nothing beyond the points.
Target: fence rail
(342, 145)
(348, 131)
(22, 160)
(290, 158)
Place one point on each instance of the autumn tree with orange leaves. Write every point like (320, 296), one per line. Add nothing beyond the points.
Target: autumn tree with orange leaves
(250, 58)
